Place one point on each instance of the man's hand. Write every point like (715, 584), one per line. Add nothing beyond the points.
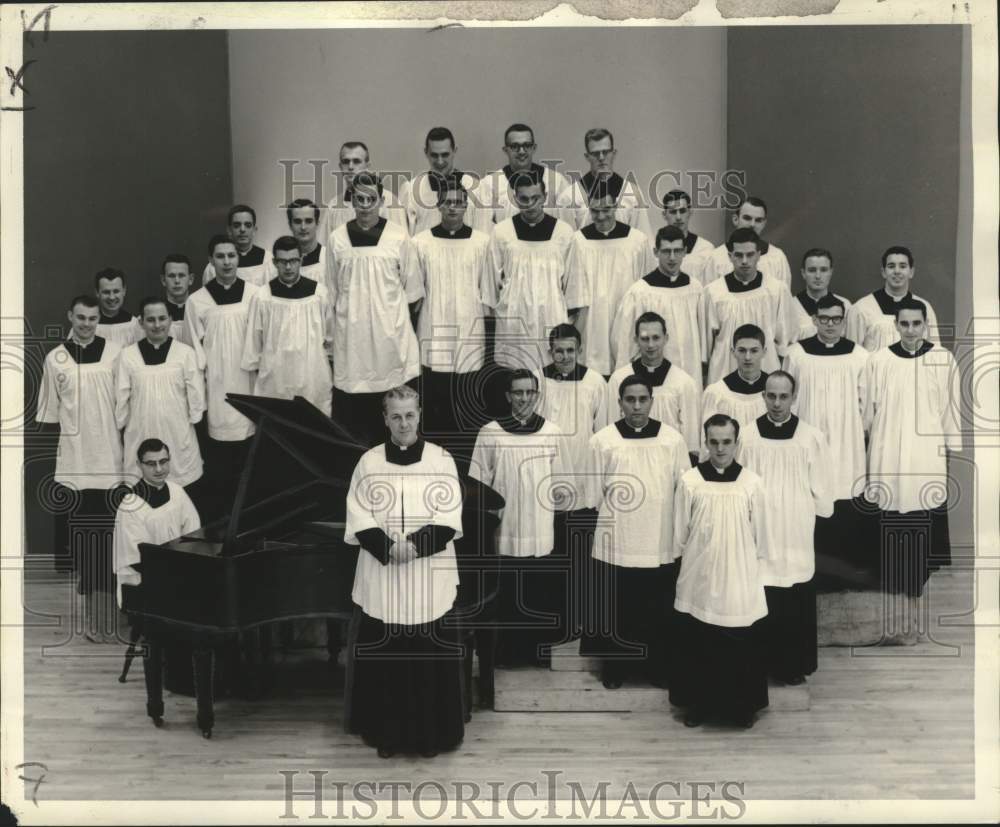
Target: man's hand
(402, 551)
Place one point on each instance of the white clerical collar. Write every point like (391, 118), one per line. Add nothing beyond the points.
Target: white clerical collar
(829, 345)
(161, 344)
(639, 430)
(920, 344)
(225, 286)
(607, 232)
(719, 471)
(668, 276)
(175, 304)
(288, 286)
(78, 343)
(654, 368)
(776, 423)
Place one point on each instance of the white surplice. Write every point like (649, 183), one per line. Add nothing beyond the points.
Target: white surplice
(773, 263)
(675, 401)
(871, 327)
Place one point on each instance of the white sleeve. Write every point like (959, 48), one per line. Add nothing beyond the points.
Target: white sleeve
(207, 274)
(47, 409)
(445, 495)
(194, 332)
(579, 291)
(483, 466)
(682, 520)
(690, 427)
(855, 325)
(820, 460)
(758, 521)
(360, 515)
(253, 343)
(194, 385)
(410, 273)
(123, 393)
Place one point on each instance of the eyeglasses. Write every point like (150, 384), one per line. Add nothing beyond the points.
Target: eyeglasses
(829, 320)
(525, 147)
(155, 463)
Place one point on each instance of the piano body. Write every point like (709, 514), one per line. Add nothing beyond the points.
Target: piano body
(279, 554)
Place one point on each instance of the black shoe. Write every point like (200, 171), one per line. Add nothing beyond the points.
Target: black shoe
(385, 752)
(746, 720)
(794, 680)
(694, 717)
(612, 683)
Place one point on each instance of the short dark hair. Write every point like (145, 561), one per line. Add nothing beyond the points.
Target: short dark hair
(520, 373)
(148, 300)
(175, 258)
(518, 127)
(109, 273)
(648, 318)
(817, 252)
(355, 145)
(528, 179)
(297, 204)
(218, 239)
(564, 331)
(151, 446)
(753, 201)
(720, 420)
(634, 379)
(597, 134)
(676, 195)
(781, 374)
(911, 304)
(439, 133)
(284, 242)
(749, 331)
(600, 190)
(743, 235)
(84, 299)
(668, 233)
(830, 300)
(369, 179)
(897, 250)
(240, 208)
(449, 183)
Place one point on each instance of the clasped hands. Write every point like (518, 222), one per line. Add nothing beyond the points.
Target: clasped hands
(402, 551)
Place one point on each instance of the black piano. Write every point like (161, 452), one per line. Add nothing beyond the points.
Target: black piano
(279, 554)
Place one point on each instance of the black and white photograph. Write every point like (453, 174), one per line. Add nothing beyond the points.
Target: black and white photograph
(500, 412)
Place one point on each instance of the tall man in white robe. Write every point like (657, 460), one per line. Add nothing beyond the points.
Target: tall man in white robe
(829, 371)
(252, 261)
(419, 197)
(677, 213)
(746, 295)
(676, 296)
(374, 291)
(522, 456)
(793, 459)
(739, 394)
(675, 395)
(289, 333)
(452, 261)
(495, 200)
(353, 159)
(752, 215)
(176, 278)
(116, 324)
(719, 533)
(871, 321)
(606, 257)
(529, 252)
(817, 272)
(161, 394)
(630, 207)
(303, 221)
(78, 394)
(216, 322)
(637, 462)
(912, 415)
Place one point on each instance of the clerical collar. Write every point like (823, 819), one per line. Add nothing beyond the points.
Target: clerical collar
(435, 179)
(689, 241)
(233, 294)
(121, 317)
(313, 257)
(710, 473)
(153, 355)
(658, 279)
(815, 346)
(361, 237)
(463, 232)
(737, 286)
(887, 304)
(154, 496)
(737, 384)
(651, 429)
(656, 376)
(302, 289)
(176, 311)
(252, 258)
(591, 233)
(542, 231)
(769, 429)
(513, 425)
(87, 354)
(902, 352)
(536, 170)
(399, 455)
(808, 302)
(575, 375)
(614, 182)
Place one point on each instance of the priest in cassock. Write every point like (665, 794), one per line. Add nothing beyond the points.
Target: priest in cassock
(817, 272)
(452, 261)
(751, 215)
(354, 159)
(829, 372)
(303, 221)
(216, 322)
(404, 508)
(78, 394)
(374, 293)
(675, 395)
(746, 295)
(176, 278)
(912, 415)
(740, 393)
(116, 324)
(871, 321)
(697, 249)
(606, 257)
(523, 456)
(673, 294)
(793, 459)
(529, 252)
(289, 333)
(252, 265)
(637, 462)
(718, 668)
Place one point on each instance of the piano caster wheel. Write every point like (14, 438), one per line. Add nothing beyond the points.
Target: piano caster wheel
(121, 679)
(206, 733)
(158, 722)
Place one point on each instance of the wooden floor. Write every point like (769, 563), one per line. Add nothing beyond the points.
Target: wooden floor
(892, 722)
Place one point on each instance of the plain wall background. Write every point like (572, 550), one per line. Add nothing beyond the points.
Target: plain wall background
(301, 94)
(126, 157)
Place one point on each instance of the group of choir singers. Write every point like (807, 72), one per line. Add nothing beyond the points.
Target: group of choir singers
(705, 432)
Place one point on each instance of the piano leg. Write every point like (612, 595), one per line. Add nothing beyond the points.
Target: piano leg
(152, 667)
(333, 642)
(203, 661)
(133, 649)
(486, 645)
(468, 648)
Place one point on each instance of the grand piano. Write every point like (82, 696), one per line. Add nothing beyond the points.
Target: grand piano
(279, 554)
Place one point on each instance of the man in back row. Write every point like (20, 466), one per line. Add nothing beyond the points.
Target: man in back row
(751, 214)
(353, 159)
(251, 265)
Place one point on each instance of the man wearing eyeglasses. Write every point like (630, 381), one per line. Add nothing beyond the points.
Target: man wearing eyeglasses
(817, 272)
(496, 191)
(830, 373)
(289, 334)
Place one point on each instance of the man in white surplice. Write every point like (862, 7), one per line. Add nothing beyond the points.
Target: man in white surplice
(116, 324)
(176, 278)
(353, 159)
(817, 272)
(253, 265)
(677, 210)
(751, 214)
